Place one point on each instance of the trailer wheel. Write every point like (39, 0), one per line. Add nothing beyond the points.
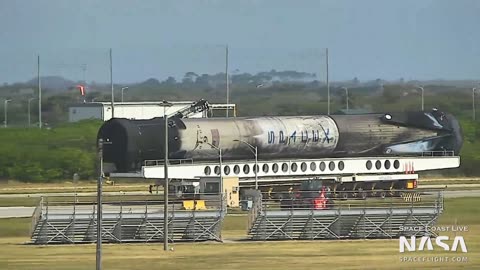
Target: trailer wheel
(362, 194)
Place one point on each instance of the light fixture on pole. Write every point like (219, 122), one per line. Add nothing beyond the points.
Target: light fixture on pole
(123, 88)
(165, 104)
(220, 164)
(346, 95)
(29, 116)
(254, 150)
(5, 108)
(423, 90)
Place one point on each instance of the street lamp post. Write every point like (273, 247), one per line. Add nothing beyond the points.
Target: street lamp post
(29, 117)
(123, 88)
(346, 94)
(220, 164)
(5, 107)
(423, 90)
(473, 103)
(254, 150)
(165, 104)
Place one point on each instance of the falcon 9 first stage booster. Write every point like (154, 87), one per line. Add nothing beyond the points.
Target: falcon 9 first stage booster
(131, 142)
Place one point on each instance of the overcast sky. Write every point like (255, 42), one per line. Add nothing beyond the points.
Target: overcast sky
(415, 39)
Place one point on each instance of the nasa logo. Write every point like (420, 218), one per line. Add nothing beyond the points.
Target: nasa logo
(427, 241)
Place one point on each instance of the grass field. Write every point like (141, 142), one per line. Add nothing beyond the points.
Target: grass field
(58, 200)
(234, 254)
(13, 187)
(358, 254)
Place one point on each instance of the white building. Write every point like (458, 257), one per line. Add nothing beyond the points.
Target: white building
(134, 110)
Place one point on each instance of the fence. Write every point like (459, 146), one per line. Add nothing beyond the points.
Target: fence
(127, 218)
(307, 216)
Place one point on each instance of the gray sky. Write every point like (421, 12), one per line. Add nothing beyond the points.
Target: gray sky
(413, 39)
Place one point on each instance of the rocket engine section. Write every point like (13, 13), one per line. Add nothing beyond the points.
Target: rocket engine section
(131, 142)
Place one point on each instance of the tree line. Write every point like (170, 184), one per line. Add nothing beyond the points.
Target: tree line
(35, 155)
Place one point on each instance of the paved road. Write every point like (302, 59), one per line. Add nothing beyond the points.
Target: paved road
(16, 212)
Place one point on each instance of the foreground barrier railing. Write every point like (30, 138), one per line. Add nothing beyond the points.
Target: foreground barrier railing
(37, 213)
(128, 218)
(321, 215)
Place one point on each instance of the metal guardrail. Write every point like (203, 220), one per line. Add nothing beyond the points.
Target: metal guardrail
(148, 200)
(352, 199)
(37, 213)
(254, 212)
(127, 218)
(353, 218)
(438, 153)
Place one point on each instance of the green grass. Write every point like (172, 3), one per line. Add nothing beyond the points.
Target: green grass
(15, 227)
(346, 254)
(19, 201)
(235, 227)
(13, 187)
(447, 182)
(357, 254)
(462, 211)
(57, 200)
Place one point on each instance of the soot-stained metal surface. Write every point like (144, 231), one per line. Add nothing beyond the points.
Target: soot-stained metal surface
(131, 142)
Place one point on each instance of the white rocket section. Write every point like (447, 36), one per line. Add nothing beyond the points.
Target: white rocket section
(313, 133)
(276, 136)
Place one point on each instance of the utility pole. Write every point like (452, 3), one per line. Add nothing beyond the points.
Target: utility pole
(111, 84)
(423, 90)
(473, 104)
(346, 94)
(221, 172)
(99, 206)
(84, 70)
(423, 100)
(165, 104)
(6, 112)
(165, 191)
(123, 88)
(29, 116)
(39, 94)
(227, 80)
(328, 84)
